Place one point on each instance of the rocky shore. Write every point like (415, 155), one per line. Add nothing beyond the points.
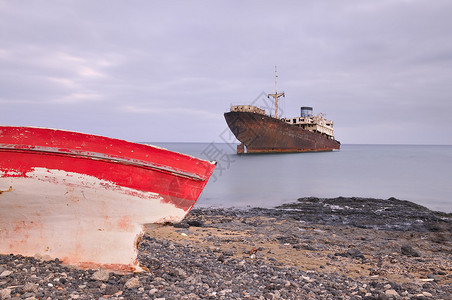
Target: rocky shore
(342, 248)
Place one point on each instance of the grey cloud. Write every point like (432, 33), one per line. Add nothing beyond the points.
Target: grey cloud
(376, 68)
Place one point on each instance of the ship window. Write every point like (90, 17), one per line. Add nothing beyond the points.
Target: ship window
(294, 120)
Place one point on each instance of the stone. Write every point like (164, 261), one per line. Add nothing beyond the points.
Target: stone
(101, 275)
(5, 294)
(111, 289)
(392, 293)
(409, 251)
(180, 272)
(225, 291)
(30, 287)
(5, 273)
(434, 277)
(195, 223)
(132, 283)
(153, 291)
(355, 253)
(118, 294)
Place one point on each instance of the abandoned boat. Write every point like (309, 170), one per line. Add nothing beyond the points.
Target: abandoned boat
(84, 198)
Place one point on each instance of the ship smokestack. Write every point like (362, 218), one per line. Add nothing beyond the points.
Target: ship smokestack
(306, 111)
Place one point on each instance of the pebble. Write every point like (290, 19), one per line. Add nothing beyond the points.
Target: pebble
(101, 275)
(5, 273)
(5, 293)
(132, 283)
(30, 287)
(391, 293)
(111, 289)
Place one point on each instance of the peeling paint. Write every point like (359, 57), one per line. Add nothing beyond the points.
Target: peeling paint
(71, 229)
(85, 210)
(6, 191)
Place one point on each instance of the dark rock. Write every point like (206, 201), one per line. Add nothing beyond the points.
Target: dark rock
(355, 253)
(352, 253)
(181, 225)
(195, 223)
(409, 251)
(111, 289)
(434, 277)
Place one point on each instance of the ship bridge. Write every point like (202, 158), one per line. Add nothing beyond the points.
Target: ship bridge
(312, 123)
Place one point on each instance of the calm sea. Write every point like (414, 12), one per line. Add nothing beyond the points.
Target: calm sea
(421, 174)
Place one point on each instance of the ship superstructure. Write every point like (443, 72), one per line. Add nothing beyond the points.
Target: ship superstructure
(313, 123)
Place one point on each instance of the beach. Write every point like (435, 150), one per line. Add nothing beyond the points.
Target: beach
(313, 248)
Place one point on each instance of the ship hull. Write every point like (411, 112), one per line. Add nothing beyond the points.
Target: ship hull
(84, 199)
(264, 134)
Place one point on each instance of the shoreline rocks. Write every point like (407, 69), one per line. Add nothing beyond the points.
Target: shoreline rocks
(342, 248)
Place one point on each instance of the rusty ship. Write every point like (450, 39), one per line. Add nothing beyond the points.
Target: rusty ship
(262, 133)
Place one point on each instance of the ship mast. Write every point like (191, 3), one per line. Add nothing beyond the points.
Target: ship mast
(276, 95)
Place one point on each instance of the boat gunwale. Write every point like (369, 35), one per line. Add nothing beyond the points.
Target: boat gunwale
(100, 156)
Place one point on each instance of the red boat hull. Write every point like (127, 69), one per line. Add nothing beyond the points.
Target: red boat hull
(84, 198)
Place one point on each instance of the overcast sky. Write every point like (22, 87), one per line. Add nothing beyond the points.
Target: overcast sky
(166, 71)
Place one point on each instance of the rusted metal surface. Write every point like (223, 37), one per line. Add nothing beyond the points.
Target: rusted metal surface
(240, 148)
(85, 198)
(264, 134)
